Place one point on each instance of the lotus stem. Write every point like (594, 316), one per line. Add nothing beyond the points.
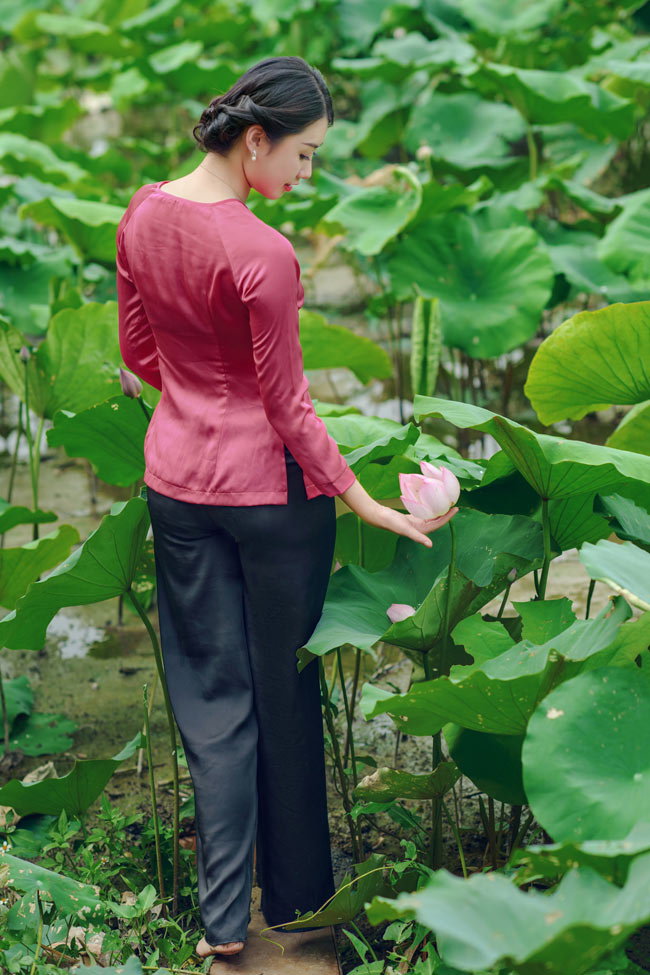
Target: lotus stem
(546, 527)
(458, 840)
(14, 457)
(592, 586)
(532, 152)
(450, 576)
(30, 444)
(172, 731)
(353, 694)
(348, 718)
(338, 763)
(154, 806)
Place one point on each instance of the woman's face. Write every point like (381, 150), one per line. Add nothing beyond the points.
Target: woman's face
(284, 164)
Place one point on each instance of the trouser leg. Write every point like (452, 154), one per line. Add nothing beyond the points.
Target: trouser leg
(286, 555)
(207, 669)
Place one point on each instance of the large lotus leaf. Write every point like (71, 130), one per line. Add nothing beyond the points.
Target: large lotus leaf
(487, 920)
(592, 360)
(349, 900)
(500, 17)
(414, 50)
(631, 522)
(624, 567)
(499, 696)
(391, 443)
(25, 291)
(633, 432)
(590, 732)
(438, 198)
(610, 858)
(491, 762)
(328, 346)
(488, 546)
(482, 639)
(464, 130)
(553, 466)
(89, 225)
(89, 36)
(374, 215)
(17, 514)
(43, 734)
(70, 896)
(573, 521)
(363, 544)
(74, 792)
(99, 569)
(110, 435)
(26, 156)
(550, 97)
(589, 200)
(19, 697)
(385, 783)
(21, 566)
(74, 367)
(623, 246)
(492, 285)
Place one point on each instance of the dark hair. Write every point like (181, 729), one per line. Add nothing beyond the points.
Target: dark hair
(283, 94)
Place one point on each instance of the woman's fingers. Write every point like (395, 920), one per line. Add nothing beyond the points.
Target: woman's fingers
(433, 523)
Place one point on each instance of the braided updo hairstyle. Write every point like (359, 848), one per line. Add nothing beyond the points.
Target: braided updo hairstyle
(283, 94)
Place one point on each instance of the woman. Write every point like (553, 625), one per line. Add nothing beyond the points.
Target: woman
(241, 476)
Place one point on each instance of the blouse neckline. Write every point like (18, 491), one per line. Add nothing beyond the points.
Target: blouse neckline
(200, 203)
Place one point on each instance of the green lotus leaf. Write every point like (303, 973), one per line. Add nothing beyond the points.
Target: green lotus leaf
(327, 346)
(74, 792)
(491, 762)
(554, 467)
(110, 435)
(99, 569)
(17, 514)
(498, 696)
(90, 36)
(89, 225)
(23, 155)
(19, 697)
(388, 783)
(373, 216)
(633, 432)
(588, 732)
(492, 285)
(550, 97)
(464, 130)
(25, 291)
(488, 547)
(610, 858)
(71, 897)
(624, 245)
(503, 17)
(487, 920)
(21, 566)
(42, 734)
(74, 368)
(624, 567)
(631, 521)
(590, 361)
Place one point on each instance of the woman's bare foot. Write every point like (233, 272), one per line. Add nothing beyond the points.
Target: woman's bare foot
(203, 949)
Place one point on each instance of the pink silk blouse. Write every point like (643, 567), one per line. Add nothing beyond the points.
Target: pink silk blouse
(208, 298)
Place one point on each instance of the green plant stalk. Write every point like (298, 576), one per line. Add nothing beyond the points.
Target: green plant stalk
(513, 829)
(14, 457)
(493, 835)
(546, 528)
(504, 601)
(489, 831)
(28, 433)
(39, 936)
(348, 718)
(363, 938)
(172, 733)
(338, 764)
(532, 152)
(592, 586)
(353, 695)
(444, 668)
(434, 857)
(154, 806)
(458, 840)
(522, 832)
(144, 408)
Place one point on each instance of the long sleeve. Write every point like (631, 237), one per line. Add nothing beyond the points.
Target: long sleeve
(271, 290)
(137, 342)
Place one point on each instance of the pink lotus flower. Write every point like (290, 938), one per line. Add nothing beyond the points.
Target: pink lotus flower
(399, 611)
(431, 493)
(131, 385)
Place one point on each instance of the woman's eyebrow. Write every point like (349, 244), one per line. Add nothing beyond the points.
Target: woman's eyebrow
(314, 145)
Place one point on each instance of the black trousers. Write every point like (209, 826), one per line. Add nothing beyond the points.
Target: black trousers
(240, 589)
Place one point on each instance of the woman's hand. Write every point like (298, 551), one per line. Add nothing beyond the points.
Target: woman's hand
(381, 516)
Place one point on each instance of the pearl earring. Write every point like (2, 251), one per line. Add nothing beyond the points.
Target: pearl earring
(254, 155)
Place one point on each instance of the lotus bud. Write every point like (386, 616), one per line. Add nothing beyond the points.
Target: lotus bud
(397, 612)
(512, 575)
(423, 152)
(131, 385)
(431, 493)
(337, 566)
(24, 353)
(399, 32)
